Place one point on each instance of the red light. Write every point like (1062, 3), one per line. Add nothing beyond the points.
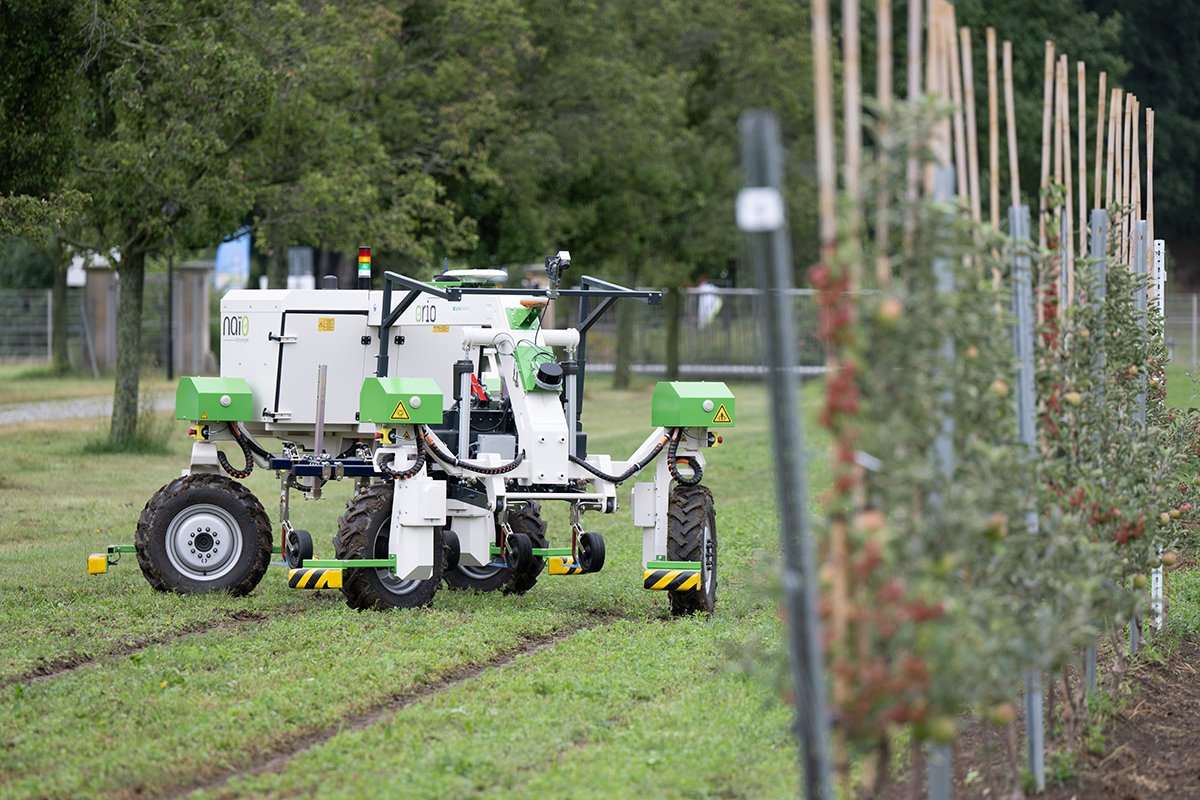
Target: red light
(364, 255)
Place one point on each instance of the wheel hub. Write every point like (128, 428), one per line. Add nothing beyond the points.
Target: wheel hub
(203, 542)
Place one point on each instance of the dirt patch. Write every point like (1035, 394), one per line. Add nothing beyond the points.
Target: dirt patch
(278, 757)
(68, 662)
(1152, 750)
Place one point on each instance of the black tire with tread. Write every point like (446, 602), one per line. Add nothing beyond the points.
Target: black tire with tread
(203, 487)
(367, 514)
(527, 519)
(690, 509)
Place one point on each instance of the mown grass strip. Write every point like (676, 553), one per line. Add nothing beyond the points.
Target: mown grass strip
(627, 710)
(61, 665)
(215, 702)
(278, 760)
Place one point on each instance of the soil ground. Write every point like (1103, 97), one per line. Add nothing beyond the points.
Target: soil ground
(1152, 745)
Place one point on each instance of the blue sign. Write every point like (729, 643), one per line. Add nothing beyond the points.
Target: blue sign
(233, 263)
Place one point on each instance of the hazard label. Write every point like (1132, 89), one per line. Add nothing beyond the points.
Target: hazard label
(401, 412)
(325, 324)
(722, 416)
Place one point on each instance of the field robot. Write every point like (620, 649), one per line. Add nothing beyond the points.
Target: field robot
(456, 414)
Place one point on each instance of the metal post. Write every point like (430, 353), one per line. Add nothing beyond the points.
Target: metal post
(319, 443)
(1139, 305)
(760, 212)
(1018, 220)
(1195, 329)
(940, 755)
(50, 325)
(170, 314)
(1160, 301)
(1098, 247)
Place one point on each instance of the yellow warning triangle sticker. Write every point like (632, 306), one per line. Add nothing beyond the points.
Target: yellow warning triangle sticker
(722, 416)
(401, 412)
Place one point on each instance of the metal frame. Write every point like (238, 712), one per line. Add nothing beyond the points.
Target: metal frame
(589, 288)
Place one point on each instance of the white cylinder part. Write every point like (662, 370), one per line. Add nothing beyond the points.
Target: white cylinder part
(483, 337)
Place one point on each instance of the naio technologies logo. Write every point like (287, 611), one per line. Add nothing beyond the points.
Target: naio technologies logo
(235, 327)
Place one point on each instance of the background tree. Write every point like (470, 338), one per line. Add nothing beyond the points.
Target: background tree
(1161, 43)
(39, 51)
(176, 92)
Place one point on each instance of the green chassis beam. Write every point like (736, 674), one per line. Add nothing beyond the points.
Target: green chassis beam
(347, 563)
(545, 552)
(693, 565)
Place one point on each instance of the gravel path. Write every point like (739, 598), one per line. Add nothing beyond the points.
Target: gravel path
(13, 413)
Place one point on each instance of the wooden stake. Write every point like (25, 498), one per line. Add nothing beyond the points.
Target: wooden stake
(912, 168)
(1123, 181)
(1010, 123)
(852, 102)
(883, 48)
(993, 133)
(968, 81)
(1097, 177)
(1058, 144)
(826, 192)
(1081, 107)
(823, 111)
(1047, 100)
(1114, 131)
(1067, 244)
(1135, 170)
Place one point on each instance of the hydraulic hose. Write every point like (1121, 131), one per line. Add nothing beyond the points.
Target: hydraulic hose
(627, 474)
(691, 461)
(417, 465)
(438, 448)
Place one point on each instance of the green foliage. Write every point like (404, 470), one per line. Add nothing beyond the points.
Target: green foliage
(24, 266)
(952, 594)
(1158, 42)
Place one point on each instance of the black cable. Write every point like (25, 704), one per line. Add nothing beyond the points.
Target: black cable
(245, 440)
(237, 473)
(417, 465)
(691, 461)
(434, 444)
(627, 474)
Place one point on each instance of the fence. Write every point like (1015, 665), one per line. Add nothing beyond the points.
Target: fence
(26, 334)
(1182, 328)
(720, 335)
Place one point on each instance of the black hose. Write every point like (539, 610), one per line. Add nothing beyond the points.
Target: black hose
(434, 444)
(627, 474)
(691, 461)
(417, 465)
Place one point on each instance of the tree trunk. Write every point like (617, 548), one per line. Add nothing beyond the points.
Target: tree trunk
(58, 321)
(277, 266)
(132, 273)
(673, 309)
(622, 369)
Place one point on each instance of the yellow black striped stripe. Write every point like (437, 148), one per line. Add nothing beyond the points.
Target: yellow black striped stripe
(564, 566)
(672, 580)
(312, 578)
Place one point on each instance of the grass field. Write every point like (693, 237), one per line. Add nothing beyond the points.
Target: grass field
(25, 384)
(584, 687)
